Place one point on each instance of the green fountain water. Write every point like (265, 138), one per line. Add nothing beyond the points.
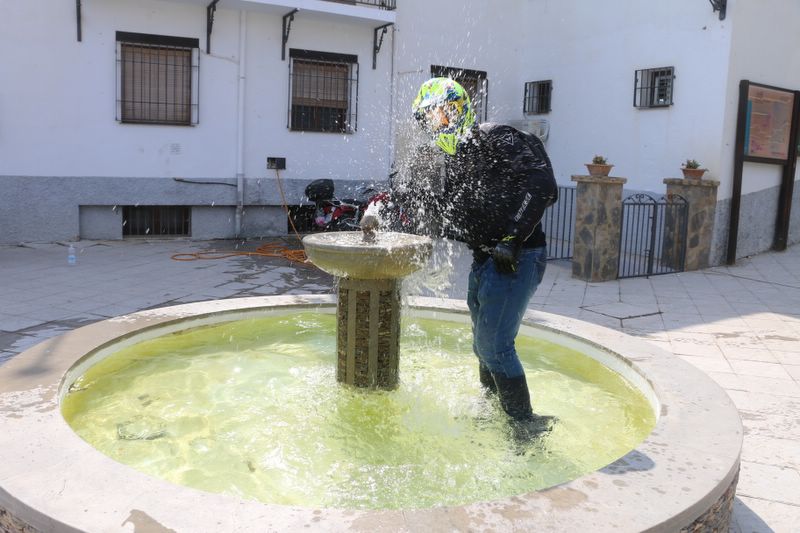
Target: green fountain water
(252, 408)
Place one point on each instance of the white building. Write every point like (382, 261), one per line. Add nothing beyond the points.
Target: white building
(91, 128)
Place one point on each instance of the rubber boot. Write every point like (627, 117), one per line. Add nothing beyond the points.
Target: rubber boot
(487, 380)
(516, 402)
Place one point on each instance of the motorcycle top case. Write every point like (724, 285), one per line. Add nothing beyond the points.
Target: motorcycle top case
(319, 190)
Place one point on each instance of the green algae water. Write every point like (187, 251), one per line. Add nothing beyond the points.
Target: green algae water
(252, 408)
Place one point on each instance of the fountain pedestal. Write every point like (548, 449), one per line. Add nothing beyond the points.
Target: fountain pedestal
(368, 309)
(367, 335)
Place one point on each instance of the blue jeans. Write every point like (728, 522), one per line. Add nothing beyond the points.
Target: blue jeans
(497, 303)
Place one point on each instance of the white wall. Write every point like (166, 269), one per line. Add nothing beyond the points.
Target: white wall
(591, 49)
(358, 156)
(60, 121)
(764, 50)
(63, 123)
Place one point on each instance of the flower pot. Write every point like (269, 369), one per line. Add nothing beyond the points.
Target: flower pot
(598, 170)
(693, 173)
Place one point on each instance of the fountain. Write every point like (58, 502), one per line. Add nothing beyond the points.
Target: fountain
(369, 268)
(51, 480)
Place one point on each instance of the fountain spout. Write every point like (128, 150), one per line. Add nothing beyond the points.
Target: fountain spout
(369, 227)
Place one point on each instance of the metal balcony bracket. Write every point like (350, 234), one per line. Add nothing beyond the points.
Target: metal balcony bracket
(78, 14)
(287, 27)
(377, 43)
(210, 10)
(721, 6)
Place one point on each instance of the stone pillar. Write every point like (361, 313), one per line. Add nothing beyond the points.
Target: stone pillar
(701, 195)
(598, 219)
(368, 332)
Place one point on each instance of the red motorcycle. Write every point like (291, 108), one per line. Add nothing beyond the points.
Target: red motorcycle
(334, 214)
(331, 213)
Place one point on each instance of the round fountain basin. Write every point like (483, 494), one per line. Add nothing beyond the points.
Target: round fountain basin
(252, 407)
(52, 480)
(389, 256)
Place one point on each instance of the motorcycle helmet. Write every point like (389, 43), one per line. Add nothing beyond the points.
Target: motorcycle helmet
(444, 110)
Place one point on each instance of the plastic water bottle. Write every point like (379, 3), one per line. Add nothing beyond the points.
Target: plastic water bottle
(71, 257)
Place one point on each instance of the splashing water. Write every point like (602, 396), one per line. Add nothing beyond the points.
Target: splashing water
(252, 408)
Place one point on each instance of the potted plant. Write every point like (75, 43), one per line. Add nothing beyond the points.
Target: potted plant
(599, 166)
(691, 170)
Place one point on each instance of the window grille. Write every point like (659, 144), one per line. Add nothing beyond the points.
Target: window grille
(157, 79)
(537, 97)
(653, 87)
(151, 220)
(323, 91)
(473, 81)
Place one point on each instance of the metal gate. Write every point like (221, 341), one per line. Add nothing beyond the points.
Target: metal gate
(558, 224)
(652, 235)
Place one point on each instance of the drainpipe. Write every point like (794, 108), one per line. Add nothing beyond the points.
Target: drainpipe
(240, 123)
(392, 118)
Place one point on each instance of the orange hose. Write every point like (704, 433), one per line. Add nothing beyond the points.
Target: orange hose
(265, 250)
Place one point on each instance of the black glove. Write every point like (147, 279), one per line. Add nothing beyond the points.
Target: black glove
(505, 255)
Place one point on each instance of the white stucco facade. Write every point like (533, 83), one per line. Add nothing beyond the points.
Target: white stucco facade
(57, 97)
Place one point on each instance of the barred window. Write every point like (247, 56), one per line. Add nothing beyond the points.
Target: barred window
(148, 220)
(473, 81)
(157, 79)
(323, 91)
(653, 87)
(537, 97)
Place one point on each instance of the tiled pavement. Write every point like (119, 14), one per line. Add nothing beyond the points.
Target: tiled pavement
(740, 325)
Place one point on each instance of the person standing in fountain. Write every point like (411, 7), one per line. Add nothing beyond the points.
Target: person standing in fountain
(497, 183)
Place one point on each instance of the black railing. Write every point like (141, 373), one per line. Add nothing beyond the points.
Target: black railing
(558, 224)
(381, 4)
(652, 235)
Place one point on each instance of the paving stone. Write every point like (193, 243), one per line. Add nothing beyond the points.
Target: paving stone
(786, 358)
(624, 310)
(794, 371)
(767, 482)
(760, 369)
(748, 354)
(708, 364)
(753, 515)
(11, 323)
(775, 451)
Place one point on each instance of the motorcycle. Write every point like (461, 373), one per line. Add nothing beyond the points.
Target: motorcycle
(331, 213)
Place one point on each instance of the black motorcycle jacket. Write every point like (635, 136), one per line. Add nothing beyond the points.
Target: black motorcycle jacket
(497, 186)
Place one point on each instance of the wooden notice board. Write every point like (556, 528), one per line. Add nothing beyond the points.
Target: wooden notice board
(766, 132)
(769, 123)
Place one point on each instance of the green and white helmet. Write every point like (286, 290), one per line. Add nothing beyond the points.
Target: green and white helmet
(443, 108)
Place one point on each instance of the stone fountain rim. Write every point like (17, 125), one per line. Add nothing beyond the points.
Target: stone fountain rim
(328, 243)
(52, 480)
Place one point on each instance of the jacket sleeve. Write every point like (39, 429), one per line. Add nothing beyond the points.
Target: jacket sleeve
(530, 179)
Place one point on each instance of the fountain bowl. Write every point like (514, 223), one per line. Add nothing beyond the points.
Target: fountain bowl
(682, 476)
(390, 255)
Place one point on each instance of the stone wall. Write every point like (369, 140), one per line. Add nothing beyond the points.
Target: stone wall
(11, 524)
(701, 196)
(598, 216)
(718, 516)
